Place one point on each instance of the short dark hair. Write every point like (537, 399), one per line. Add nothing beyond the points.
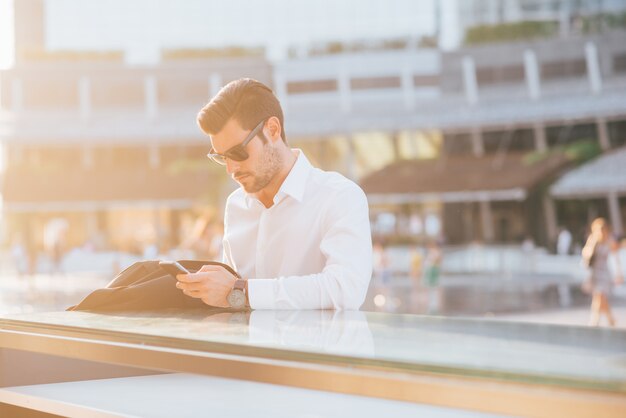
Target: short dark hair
(247, 101)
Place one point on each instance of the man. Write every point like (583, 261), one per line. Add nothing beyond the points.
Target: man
(298, 236)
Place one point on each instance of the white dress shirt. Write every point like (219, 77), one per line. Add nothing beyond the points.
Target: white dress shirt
(311, 250)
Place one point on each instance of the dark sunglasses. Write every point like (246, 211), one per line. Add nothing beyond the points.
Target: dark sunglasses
(238, 152)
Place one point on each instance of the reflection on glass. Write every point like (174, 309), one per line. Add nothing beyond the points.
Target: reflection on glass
(546, 354)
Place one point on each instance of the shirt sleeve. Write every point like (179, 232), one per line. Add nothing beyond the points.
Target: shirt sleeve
(343, 282)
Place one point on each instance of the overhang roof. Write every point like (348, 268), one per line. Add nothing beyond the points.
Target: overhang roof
(462, 178)
(597, 178)
(26, 190)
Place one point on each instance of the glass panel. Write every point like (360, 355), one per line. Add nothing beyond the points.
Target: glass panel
(544, 354)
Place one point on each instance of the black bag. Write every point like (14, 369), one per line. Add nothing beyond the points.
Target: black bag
(145, 286)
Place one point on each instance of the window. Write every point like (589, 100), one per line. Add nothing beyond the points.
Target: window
(117, 92)
(619, 63)
(182, 91)
(50, 92)
(426, 80)
(563, 69)
(367, 83)
(500, 75)
(311, 86)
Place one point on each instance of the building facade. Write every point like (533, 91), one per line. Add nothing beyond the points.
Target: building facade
(114, 149)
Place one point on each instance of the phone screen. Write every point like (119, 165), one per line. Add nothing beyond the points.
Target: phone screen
(173, 267)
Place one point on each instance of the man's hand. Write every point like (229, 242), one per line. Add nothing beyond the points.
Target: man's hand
(211, 283)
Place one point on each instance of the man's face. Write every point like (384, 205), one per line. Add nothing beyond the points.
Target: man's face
(262, 164)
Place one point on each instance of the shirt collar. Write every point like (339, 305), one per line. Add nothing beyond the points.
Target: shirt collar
(294, 183)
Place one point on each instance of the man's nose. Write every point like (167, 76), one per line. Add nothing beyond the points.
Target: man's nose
(231, 166)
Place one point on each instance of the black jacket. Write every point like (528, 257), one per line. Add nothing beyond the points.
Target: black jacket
(144, 286)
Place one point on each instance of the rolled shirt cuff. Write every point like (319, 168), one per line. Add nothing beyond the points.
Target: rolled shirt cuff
(261, 293)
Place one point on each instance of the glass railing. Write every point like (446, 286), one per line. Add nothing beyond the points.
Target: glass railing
(563, 356)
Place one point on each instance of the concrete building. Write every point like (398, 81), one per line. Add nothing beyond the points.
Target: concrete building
(108, 146)
(457, 17)
(597, 188)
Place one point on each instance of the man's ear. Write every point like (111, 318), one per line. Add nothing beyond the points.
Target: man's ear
(274, 129)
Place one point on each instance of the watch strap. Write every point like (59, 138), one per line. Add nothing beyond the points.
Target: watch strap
(241, 284)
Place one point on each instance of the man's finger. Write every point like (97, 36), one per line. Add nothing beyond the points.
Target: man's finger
(209, 267)
(189, 278)
(193, 293)
(190, 286)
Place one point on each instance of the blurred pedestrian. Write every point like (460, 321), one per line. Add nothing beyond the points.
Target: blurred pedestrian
(381, 265)
(216, 242)
(416, 263)
(416, 268)
(563, 241)
(621, 254)
(432, 271)
(199, 241)
(600, 281)
(55, 241)
(20, 255)
(528, 255)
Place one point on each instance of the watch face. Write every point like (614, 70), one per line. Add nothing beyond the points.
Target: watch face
(237, 298)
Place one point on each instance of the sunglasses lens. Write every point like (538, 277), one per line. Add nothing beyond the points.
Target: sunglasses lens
(217, 158)
(237, 154)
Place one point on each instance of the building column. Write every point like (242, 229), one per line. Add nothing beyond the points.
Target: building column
(539, 131)
(615, 214)
(351, 159)
(87, 157)
(478, 147)
(593, 67)
(158, 227)
(5, 158)
(603, 134)
(150, 96)
(550, 217)
(84, 97)
(486, 220)
(154, 156)
(531, 70)
(174, 228)
(280, 87)
(408, 88)
(17, 95)
(415, 143)
(395, 144)
(468, 221)
(322, 152)
(345, 94)
(17, 154)
(91, 224)
(564, 19)
(469, 80)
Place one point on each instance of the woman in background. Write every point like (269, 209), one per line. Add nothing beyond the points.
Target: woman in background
(600, 283)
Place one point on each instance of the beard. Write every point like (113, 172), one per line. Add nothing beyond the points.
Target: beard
(269, 166)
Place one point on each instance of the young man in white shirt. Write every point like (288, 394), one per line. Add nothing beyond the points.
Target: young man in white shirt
(298, 236)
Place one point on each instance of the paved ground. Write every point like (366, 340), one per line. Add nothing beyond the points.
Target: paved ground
(44, 293)
(573, 316)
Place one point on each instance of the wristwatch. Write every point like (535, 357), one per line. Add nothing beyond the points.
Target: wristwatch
(238, 296)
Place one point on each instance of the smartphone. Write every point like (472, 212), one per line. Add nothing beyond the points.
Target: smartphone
(173, 267)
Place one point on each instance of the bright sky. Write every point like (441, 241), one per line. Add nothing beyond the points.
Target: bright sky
(143, 26)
